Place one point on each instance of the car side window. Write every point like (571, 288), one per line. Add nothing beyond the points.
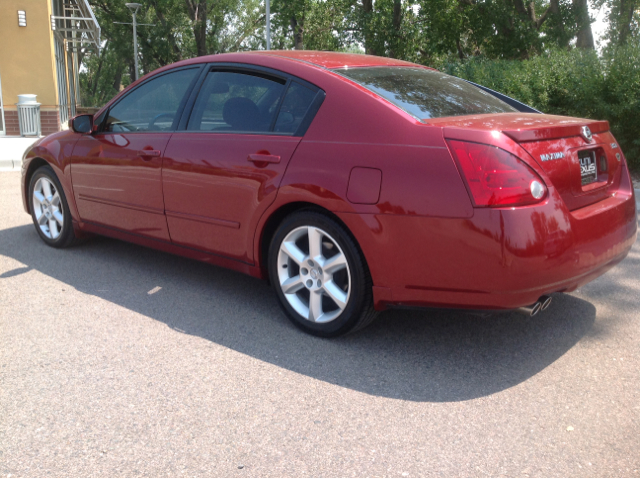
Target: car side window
(153, 105)
(236, 102)
(97, 121)
(294, 107)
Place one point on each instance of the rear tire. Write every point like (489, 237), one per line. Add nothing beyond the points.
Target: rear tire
(50, 210)
(320, 276)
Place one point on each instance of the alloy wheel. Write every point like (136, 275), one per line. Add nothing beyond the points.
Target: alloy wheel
(48, 209)
(314, 274)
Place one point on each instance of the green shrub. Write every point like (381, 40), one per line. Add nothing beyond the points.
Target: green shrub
(575, 83)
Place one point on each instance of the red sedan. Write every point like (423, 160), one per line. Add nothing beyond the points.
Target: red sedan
(352, 182)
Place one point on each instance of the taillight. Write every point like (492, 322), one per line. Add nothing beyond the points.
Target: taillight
(496, 177)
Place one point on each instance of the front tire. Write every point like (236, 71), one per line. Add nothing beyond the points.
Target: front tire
(320, 275)
(50, 210)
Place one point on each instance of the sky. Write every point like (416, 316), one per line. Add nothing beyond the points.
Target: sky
(599, 27)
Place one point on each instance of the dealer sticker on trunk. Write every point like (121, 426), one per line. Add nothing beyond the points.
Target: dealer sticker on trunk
(588, 167)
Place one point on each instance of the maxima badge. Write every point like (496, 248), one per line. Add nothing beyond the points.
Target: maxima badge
(552, 156)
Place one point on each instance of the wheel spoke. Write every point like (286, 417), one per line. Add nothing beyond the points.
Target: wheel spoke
(59, 218)
(315, 243)
(55, 201)
(42, 219)
(336, 294)
(315, 305)
(53, 228)
(46, 189)
(335, 263)
(38, 196)
(292, 285)
(292, 251)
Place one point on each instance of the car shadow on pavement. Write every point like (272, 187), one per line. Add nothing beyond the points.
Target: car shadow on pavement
(412, 355)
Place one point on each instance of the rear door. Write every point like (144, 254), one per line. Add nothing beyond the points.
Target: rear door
(116, 172)
(222, 172)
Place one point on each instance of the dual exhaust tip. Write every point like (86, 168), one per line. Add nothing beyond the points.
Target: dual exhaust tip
(543, 303)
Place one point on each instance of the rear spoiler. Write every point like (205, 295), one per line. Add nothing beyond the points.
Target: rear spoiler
(559, 131)
(518, 105)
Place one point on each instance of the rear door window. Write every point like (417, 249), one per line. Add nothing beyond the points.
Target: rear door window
(426, 93)
(232, 101)
(294, 108)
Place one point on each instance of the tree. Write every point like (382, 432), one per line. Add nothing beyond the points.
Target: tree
(422, 31)
(511, 29)
(183, 29)
(623, 19)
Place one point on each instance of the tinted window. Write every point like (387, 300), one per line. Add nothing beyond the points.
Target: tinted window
(426, 93)
(153, 105)
(97, 121)
(233, 101)
(294, 108)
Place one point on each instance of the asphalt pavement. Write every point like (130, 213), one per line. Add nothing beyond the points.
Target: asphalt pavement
(116, 360)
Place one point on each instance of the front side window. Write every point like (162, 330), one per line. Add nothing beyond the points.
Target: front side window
(236, 102)
(152, 106)
(426, 93)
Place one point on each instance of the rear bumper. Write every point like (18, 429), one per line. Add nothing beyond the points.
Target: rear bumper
(499, 258)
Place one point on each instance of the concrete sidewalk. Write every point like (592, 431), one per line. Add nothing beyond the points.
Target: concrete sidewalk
(12, 149)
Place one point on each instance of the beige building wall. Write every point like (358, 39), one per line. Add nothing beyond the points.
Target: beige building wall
(27, 59)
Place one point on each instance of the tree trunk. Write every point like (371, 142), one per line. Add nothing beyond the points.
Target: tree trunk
(177, 52)
(625, 18)
(367, 9)
(459, 46)
(396, 23)
(101, 56)
(298, 32)
(585, 35)
(117, 78)
(198, 13)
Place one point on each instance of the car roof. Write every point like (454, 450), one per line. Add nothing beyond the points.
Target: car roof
(327, 60)
(335, 59)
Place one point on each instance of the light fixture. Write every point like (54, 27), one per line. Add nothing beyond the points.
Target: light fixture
(133, 7)
(22, 18)
(53, 23)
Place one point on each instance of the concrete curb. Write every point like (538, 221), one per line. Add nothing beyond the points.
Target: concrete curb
(12, 150)
(10, 165)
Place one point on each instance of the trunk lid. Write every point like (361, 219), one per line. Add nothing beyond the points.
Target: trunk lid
(581, 167)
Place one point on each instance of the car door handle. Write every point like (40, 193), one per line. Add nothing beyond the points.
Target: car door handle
(148, 154)
(263, 158)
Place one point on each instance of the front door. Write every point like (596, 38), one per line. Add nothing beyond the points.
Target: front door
(221, 174)
(116, 172)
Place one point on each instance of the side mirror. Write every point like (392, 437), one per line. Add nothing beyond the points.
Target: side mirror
(82, 124)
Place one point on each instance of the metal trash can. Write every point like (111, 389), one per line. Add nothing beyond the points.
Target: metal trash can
(29, 115)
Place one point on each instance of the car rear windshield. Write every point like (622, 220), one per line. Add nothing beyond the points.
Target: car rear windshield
(426, 93)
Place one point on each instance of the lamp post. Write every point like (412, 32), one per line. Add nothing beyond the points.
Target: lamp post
(268, 25)
(134, 7)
